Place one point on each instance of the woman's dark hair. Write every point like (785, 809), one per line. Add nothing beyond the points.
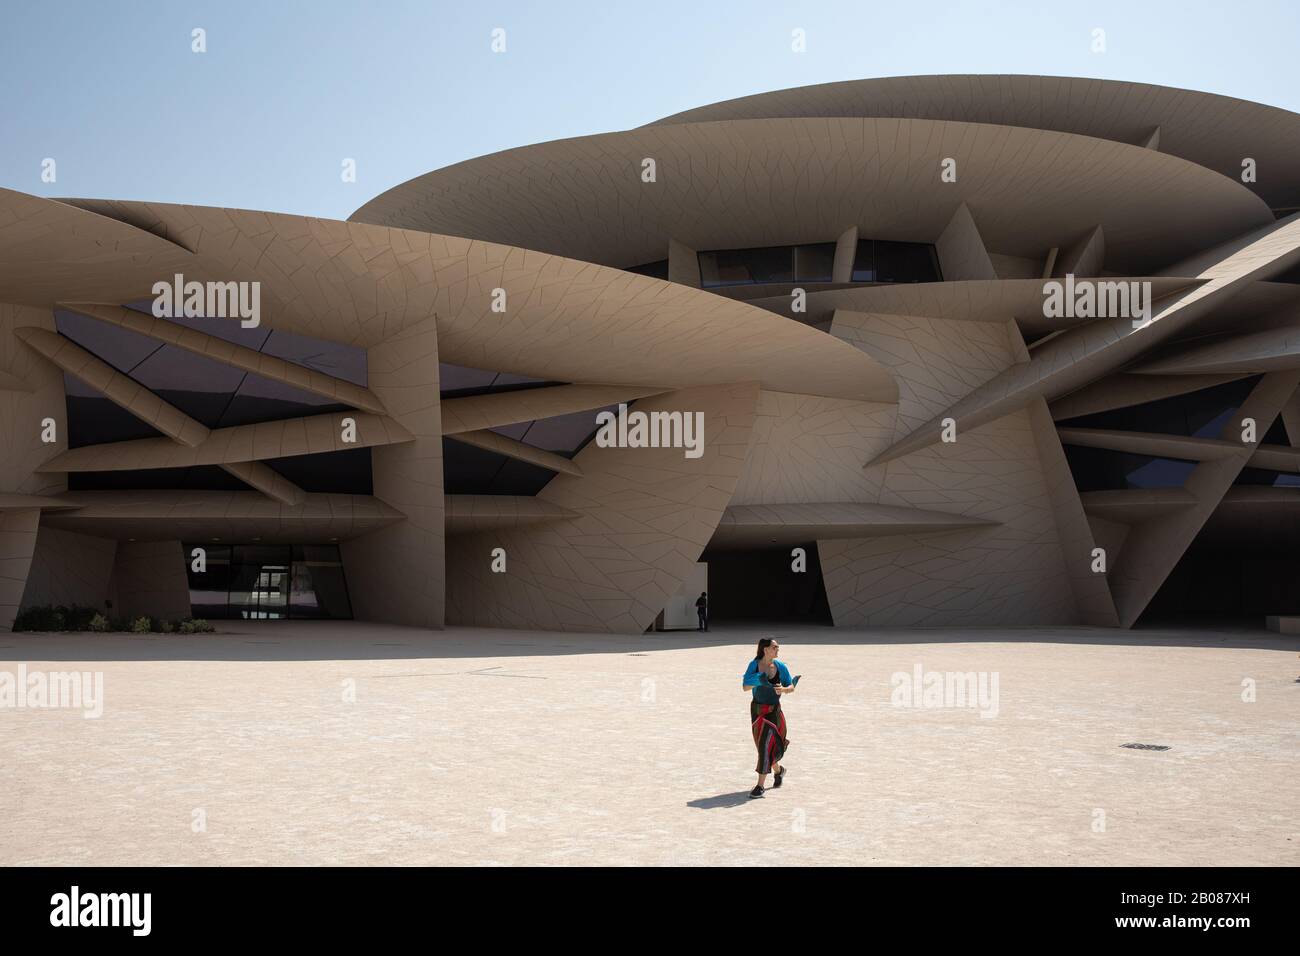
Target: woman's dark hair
(763, 644)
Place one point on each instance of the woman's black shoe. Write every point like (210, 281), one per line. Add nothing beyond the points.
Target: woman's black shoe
(756, 792)
(778, 777)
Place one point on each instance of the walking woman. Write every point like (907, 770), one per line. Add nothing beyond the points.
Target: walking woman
(767, 679)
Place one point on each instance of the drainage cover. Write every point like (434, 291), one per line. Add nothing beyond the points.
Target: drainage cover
(1145, 746)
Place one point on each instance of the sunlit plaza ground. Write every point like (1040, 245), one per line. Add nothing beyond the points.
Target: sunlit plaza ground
(348, 743)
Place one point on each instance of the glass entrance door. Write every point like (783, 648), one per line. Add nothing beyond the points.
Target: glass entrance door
(267, 582)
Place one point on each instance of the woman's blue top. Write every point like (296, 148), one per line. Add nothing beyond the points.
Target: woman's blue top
(758, 680)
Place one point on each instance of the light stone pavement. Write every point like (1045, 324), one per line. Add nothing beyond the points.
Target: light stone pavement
(508, 747)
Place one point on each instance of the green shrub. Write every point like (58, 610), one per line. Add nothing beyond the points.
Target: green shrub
(141, 625)
(166, 627)
(45, 618)
(99, 623)
(77, 618)
(195, 625)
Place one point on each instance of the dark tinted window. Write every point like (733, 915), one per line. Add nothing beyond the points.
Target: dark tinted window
(746, 266)
(474, 471)
(906, 262)
(1276, 434)
(864, 262)
(256, 581)
(215, 394)
(1199, 414)
(94, 419)
(196, 478)
(344, 472)
(1100, 469)
(657, 270)
(347, 362)
(1266, 476)
(459, 381)
(562, 434)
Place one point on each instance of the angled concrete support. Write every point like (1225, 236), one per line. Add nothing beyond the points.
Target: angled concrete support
(1151, 551)
(961, 249)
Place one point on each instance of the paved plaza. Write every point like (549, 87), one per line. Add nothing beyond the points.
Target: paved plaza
(349, 743)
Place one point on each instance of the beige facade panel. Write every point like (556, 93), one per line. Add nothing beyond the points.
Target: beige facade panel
(1083, 354)
(1091, 593)
(744, 526)
(50, 250)
(477, 412)
(744, 183)
(236, 356)
(1151, 443)
(119, 388)
(23, 413)
(397, 574)
(1110, 537)
(1211, 130)
(1012, 572)
(808, 449)
(503, 445)
(314, 434)
(17, 545)
(644, 515)
(469, 513)
(936, 361)
(228, 516)
(70, 568)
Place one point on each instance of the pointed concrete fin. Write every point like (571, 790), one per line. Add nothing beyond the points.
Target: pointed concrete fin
(961, 250)
(1085, 256)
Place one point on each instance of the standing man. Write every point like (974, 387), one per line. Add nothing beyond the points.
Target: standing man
(702, 609)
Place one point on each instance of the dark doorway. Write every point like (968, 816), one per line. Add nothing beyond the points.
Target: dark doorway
(760, 586)
(267, 582)
(1215, 584)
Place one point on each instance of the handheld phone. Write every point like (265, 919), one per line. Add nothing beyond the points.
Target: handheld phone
(795, 682)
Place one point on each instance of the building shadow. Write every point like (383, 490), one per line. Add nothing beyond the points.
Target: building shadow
(360, 640)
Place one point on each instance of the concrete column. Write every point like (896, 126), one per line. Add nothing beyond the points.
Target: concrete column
(17, 543)
(846, 250)
(149, 579)
(683, 264)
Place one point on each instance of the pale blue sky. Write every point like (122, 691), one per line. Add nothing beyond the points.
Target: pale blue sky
(111, 90)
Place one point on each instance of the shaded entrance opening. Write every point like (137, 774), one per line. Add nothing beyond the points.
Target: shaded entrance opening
(267, 582)
(1231, 582)
(758, 586)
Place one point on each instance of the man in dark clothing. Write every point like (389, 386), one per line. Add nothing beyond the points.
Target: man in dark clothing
(702, 609)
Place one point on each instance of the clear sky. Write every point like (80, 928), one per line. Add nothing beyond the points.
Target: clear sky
(288, 89)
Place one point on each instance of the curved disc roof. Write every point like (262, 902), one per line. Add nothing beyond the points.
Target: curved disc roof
(362, 284)
(755, 182)
(1211, 130)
